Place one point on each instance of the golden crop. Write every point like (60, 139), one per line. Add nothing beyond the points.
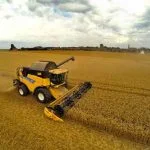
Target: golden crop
(114, 114)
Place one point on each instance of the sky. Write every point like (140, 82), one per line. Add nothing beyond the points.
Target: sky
(115, 23)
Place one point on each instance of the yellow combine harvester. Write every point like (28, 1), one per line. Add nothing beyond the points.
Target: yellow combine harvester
(49, 84)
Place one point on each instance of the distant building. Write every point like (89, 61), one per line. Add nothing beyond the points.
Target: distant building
(101, 46)
(142, 52)
(128, 46)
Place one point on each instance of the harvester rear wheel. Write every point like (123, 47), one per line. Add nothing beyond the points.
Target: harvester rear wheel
(23, 90)
(43, 95)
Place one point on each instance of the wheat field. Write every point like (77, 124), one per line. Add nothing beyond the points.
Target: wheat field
(114, 114)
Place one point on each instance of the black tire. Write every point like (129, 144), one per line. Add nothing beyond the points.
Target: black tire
(23, 90)
(43, 95)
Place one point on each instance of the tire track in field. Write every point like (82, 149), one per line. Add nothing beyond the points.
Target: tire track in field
(122, 91)
(107, 126)
(117, 88)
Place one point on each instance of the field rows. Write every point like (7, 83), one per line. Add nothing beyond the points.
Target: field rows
(114, 114)
(115, 109)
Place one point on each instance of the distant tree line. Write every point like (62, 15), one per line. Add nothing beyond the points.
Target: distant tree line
(84, 48)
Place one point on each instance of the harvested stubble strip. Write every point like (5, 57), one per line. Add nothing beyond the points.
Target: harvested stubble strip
(128, 131)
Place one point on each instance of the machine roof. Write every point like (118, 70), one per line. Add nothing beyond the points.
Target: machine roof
(39, 66)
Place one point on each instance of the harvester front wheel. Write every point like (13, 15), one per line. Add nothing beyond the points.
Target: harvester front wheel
(23, 90)
(43, 95)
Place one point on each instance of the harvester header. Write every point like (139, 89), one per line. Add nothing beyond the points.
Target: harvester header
(59, 107)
